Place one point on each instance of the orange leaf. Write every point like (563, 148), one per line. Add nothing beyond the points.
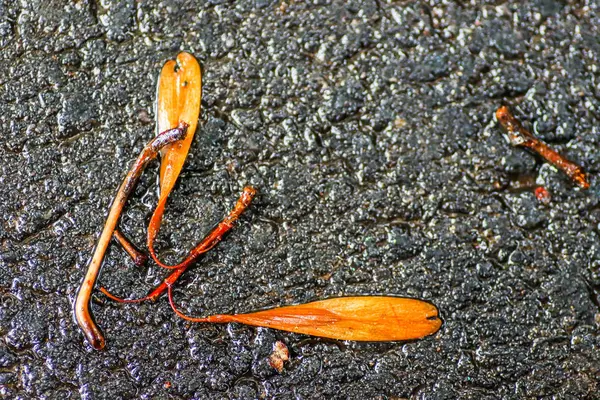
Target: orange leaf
(363, 318)
(179, 95)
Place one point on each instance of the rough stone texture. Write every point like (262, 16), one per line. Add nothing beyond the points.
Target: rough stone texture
(368, 129)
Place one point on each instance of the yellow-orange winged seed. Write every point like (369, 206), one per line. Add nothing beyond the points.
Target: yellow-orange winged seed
(179, 97)
(179, 94)
(361, 318)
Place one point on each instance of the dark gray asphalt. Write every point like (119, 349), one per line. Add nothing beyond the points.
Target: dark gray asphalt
(368, 129)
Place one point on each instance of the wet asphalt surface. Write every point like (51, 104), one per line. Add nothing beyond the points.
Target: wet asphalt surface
(368, 129)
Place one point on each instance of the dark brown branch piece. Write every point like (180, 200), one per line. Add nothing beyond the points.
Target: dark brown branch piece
(83, 313)
(520, 136)
(136, 255)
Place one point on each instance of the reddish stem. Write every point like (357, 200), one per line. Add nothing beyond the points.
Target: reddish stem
(217, 318)
(210, 241)
(520, 136)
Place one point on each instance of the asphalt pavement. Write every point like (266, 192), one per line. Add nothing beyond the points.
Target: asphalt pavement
(368, 129)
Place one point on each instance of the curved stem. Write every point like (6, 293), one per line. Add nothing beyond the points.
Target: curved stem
(179, 313)
(83, 313)
(210, 241)
(216, 318)
(120, 299)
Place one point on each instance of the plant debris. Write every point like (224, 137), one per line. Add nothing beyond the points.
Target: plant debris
(136, 255)
(543, 195)
(210, 241)
(361, 318)
(519, 136)
(179, 94)
(83, 313)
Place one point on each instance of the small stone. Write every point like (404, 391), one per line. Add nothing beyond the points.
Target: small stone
(279, 356)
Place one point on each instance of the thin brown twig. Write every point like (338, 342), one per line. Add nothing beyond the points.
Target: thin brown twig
(136, 255)
(83, 313)
(519, 136)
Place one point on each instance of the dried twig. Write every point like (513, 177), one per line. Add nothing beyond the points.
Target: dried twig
(83, 314)
(137, 256)
(210, 241)
(520, 136)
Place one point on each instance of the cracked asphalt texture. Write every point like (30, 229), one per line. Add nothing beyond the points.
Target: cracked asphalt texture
(368, 129)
